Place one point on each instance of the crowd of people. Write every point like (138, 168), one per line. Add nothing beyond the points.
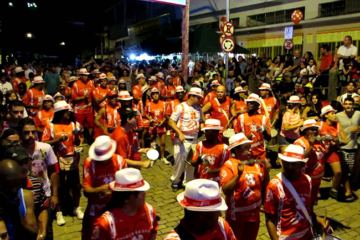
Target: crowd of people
(227, 131)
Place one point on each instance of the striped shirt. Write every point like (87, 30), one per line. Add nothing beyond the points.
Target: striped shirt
(292, 119)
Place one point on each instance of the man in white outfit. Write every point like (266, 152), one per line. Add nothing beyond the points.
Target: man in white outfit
(186, 121)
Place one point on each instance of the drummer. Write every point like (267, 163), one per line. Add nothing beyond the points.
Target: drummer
(242, 186)
(285, 215)
(219, 108)
(255, 126)
(240, 105)
(315, 152)
(211, 154)
(271, 103)
(211, 95)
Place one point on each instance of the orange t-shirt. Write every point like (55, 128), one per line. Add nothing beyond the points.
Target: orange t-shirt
(17, 81)
(239, 106)
(315, 166)
(170, 106)
(155, 110)
(177, 81)
(124, 142)
(220, 111)
(333, 131)
(33, 97)
(63, 148)
(100, 92)
(210, 96)
(110, 118)
(136, 91)
(249, 125)
(222, 231)
(245, 203)
(115, 224)
(271, 104)
(214, 155)
(79, 89)
(43, 118)
(290, 220)
(167, 91)
(96, 175)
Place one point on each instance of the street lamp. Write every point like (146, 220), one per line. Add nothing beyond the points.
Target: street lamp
(29, 35)
(62, 43)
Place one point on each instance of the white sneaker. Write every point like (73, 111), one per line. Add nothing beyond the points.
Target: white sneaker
(166, 162)
(60, 219)
(79, 213)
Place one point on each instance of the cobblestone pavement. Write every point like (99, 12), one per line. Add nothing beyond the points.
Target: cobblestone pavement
(346, 220)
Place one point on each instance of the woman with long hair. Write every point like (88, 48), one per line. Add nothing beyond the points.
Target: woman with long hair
(278, 67)
(307, 56)
(303, 105)
(64, 135)
(314, 109)
(125, 75)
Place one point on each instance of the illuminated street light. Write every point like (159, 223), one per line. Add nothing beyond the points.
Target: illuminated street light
(29, 35)
(11, 4)
(62, 43)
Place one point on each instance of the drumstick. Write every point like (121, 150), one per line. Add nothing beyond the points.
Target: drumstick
(229, 122)
(265, 109)
(324, 233)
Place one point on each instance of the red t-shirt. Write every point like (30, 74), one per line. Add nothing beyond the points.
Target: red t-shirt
(79, 89)
(290, 220)
(168, 90)
(136, 91)
(33, 97)
(220, 111)
(96, 175)
(124, 142)
(215, 157)
(222, 231)
(115, 224)
(272, 105)
(100, 92)
(245, 203)
(43, 118)
(210, 96)
(249, 125)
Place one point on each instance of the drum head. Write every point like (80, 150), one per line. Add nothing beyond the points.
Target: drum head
(152, 154)
(274, 132)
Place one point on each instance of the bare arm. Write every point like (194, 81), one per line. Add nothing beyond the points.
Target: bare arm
(206, 107)
(97, 121)
(270, 224)
(54, 178)
(29, 221)
(230, 186)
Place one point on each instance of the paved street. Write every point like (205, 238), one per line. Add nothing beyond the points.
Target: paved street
(346, 220)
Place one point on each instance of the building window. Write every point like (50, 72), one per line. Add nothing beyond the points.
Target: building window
(339, 8)
(272, 17)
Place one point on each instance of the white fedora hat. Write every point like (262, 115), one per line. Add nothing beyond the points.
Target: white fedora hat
(180, 89)
(326, 110)
(197, 83)
(122, 81)
(38, 80)
(160, 75)
(102, 76)
(309, 123)
(212, 124)
(239, 90)
(96, 71)
(168, 77)
(83, 71)
(61, 106)
(153, 78)
(59, 95)
(48, 98)
(265, 86)
(112, 78)
(293, 153)
(140, 76)
(294, 99)
(215, 83)
(195, 91)
(145, 88)
(128, 180)
(154, 90)
(253, 98)
(125, 95)
(102, 149)
(19, 69)
(237, 140)
(202, 195)
(73, 78)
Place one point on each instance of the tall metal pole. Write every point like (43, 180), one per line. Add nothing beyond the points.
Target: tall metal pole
(226, 54)
(185, 41)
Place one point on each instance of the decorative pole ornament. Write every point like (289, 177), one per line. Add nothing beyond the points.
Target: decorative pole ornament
(296, 16)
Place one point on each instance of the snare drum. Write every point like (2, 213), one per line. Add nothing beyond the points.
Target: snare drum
(328, 237)
(272, 144)
(228, 133)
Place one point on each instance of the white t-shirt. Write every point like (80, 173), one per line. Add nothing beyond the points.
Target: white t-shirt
(43, 157)
(188, 119)
(344, 51)
(5, 87)
(27, 72)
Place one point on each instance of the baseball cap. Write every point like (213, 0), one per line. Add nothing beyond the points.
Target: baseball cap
(16, 153)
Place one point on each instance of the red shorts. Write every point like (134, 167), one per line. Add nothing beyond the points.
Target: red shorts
(85, 119)
(332, 157)
(156, 129)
